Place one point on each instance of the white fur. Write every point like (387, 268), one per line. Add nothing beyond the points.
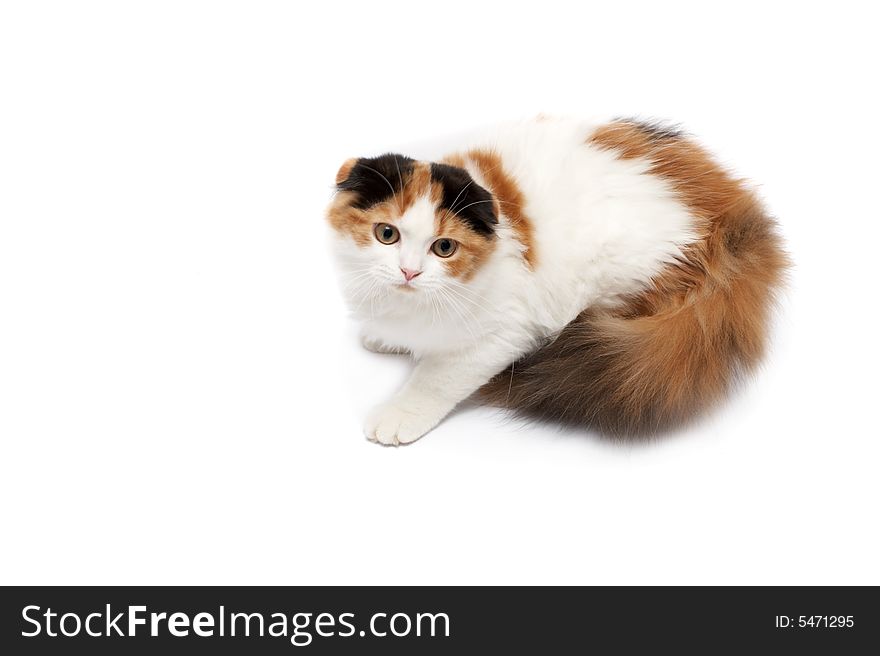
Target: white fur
(603, 228)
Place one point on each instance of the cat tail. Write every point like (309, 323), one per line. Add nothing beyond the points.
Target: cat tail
(668, 354)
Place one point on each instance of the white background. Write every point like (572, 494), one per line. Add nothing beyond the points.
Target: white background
(181, 392)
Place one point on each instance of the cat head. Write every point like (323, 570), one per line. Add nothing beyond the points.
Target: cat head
(409, 227)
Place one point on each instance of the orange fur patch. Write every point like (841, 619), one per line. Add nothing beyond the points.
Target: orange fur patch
(415, 186)
(344, 170)
(714, 304)
(356, 223)
(473, 249)
(676, 348)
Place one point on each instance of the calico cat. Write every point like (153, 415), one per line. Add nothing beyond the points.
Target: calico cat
(612, 276)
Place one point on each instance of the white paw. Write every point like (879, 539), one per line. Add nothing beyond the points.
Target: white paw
(376, 346)
(393, 424)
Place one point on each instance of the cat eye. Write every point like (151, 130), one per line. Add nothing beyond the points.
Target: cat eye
(444, 247)
(385, 233)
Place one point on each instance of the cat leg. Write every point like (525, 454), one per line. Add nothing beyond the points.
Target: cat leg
(377, 346)
(438, 383)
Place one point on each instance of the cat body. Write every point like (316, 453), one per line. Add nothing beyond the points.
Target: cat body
(570, 243)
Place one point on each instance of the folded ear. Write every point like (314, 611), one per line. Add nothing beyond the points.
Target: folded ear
(465, 199)
(374, 179)
(345, 170)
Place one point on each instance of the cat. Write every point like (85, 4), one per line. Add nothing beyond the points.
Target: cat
(611, 276)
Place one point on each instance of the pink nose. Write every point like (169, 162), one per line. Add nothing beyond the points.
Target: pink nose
(409, 274)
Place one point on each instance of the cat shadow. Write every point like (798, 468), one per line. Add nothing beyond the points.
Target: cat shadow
(536, 428)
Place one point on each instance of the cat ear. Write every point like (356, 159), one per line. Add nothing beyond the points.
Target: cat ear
(472, 204)
(345, 170)
(373, 180)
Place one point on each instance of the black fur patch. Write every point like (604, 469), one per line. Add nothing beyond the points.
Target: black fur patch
(656, 130)
(376, 179)
(464, 198)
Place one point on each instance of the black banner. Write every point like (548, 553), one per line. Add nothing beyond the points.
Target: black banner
(437, 620)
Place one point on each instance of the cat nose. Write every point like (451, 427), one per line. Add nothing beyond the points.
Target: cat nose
(409, 274)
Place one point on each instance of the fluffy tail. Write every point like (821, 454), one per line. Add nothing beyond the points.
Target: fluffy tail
(676, 349)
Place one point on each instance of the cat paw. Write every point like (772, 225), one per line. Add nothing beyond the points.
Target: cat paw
(375, 346)
(391, 424)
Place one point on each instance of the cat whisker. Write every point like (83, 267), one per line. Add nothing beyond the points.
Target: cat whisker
(451, 208)
(476, 202)
(368, 292)
(463, 189)
(388, 182)
(459, 298)
(356, 283)
(463, 290)
(460, 311)
(435, 310)
(507, 202)
(354, 275)
(400, 178)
